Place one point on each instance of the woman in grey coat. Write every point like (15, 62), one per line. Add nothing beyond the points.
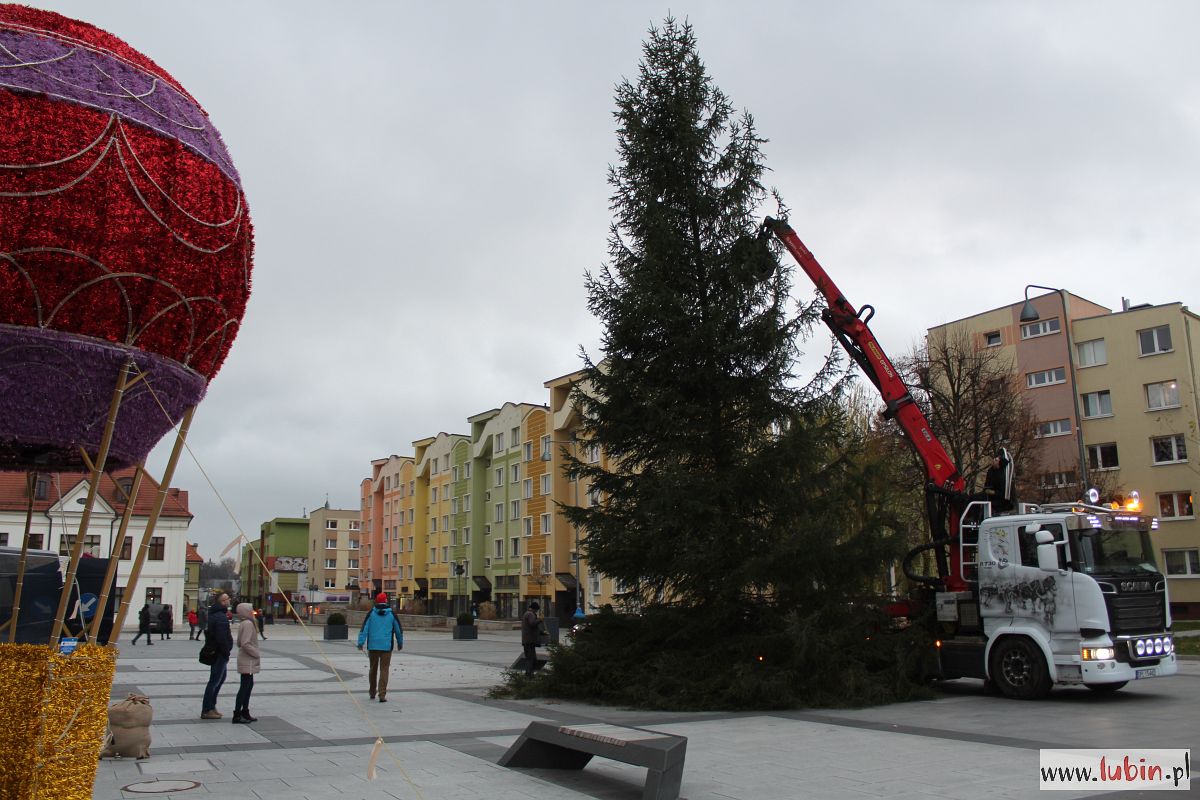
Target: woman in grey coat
(249, 662)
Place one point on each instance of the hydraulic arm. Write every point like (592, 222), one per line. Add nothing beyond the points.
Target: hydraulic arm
(943, 483)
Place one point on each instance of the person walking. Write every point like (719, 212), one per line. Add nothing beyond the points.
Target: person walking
(260, 617)
(218, 633)
(164, 623)
(379, 630)
(530, 629)
(249, 662)
(144, 626)
(194, 624)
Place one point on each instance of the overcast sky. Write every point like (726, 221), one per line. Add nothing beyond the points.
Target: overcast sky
(427, 185)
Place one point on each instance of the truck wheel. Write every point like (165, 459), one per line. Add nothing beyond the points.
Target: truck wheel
(1019, 669)
(1106, 688)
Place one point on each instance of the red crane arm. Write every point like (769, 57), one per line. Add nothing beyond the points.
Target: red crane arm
(850, 328)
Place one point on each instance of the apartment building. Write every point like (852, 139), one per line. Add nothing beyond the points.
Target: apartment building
(57, 509)
(334, 553)
(1118, 390)
(274, 569)
(434, 486)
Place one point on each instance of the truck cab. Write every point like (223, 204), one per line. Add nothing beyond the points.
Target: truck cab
(1065, 595)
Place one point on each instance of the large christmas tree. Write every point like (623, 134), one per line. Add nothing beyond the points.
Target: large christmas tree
(734, 501)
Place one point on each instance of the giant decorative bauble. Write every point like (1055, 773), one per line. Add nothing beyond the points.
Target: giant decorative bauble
(124, 235)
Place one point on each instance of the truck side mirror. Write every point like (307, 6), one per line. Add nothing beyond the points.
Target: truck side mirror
(1047, 552)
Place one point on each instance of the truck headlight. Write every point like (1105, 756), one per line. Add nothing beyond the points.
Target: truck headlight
(1099, 653)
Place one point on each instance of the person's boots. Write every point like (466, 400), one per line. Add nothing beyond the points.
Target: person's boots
(247, 718)
(238, 719)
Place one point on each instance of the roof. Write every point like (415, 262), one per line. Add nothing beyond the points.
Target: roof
(193, 555)
(14, 492)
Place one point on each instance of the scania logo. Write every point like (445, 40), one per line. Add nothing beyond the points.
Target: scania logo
(1135, 586)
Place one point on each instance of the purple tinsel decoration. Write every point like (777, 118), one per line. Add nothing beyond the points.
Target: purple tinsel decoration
(56, 389)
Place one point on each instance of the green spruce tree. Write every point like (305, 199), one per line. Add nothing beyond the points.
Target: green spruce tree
(733, 500)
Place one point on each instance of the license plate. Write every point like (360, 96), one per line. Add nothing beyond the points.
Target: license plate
(1148, 672)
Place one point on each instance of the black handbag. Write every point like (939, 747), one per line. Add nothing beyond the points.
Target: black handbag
(208, 653)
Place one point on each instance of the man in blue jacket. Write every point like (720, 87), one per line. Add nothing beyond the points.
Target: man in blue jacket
(217, 632)
(379, 630)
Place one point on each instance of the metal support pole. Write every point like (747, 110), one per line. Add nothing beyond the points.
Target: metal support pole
(97, 469)
(161, 500)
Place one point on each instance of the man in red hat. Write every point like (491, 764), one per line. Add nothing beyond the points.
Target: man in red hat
(380, 629)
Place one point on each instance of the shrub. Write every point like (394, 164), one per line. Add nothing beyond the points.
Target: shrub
(416, 607)
(336, 618)
(464, 618)
(487, 610)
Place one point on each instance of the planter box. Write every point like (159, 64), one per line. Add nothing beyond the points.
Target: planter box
(337, 632)
(466, 632)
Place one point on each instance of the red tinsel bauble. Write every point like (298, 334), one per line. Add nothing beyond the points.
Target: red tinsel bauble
(122, 219)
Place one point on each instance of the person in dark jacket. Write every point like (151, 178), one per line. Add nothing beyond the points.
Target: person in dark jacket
(165, 620)
(143, 625)
(379, 630)
(218, 633)
(530, 629)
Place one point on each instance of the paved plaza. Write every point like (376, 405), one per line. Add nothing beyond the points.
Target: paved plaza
(443, 736)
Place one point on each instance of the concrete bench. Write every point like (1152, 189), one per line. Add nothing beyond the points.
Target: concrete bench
(546, 745)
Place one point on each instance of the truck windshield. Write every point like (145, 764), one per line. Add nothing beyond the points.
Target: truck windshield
(1113, 552)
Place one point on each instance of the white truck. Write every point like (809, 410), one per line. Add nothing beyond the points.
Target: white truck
(1056, 594)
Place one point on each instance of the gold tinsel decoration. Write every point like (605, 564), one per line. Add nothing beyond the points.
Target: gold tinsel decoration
(53, 715)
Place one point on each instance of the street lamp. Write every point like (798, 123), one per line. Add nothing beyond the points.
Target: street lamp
(574, 442)
(1030, 314)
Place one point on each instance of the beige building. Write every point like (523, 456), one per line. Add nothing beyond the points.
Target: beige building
(335, 553)
(1121, 388)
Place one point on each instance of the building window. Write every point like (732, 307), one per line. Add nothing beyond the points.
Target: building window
(1162, 395)
(1169, 449)
(593, 453)
(1046, 377)
(498, 548)
(353, 563)
(445, 554)
(330, 583)
(547, 564)
(527, 488)
(992, 339)
(410, 544)
(433, 555)
(514, 547)
(499, 517)
(466, 470)
(516, 473)
(331, 544)
(1182, 562)
(435, 467)
(445, 523)
(527, 526)
(466, 504)
(41, 488)
(91, 544)
(467, 534)
(1097, 404)
(433, 524)
(1043, 327)
(594, 583)
(355, 525)
(499, 476)
(127, 549)
(454, 505)
(433, 494)
(527, 451)
(499, 442)
(1154, 341)
(411, 512)
(158, 547)
(526, 565)
(35, 541)
(154, 594)
(1103, 456)
(454, 474)
(1056, 480)
(545, 484)
(1057, 427)
(1092, 354)
(546, 448)
(515, 509)
(545, 523)
(1175, 505)
(331, 563)
(331, 524)
(515, 436)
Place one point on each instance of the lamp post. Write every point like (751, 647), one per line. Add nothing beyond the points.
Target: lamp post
(574, 442)
(1030, 314)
